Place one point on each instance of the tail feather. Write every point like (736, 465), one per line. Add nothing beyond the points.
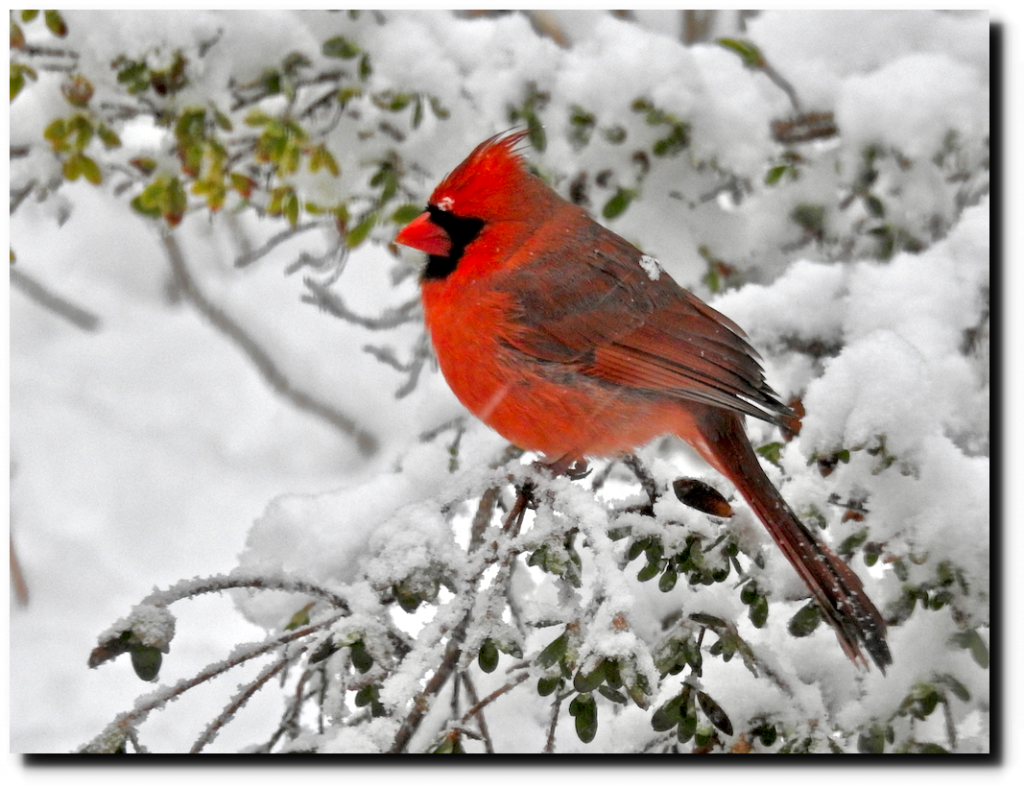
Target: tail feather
(837, 589)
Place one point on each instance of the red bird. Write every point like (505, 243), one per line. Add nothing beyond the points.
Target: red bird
(569, 341)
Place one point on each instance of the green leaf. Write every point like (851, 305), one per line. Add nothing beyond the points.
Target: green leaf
(930, 748)
(616, 134)
(341, 47)
(618, 203)
(175, 202)
(55, 23)
(242, 184)
(72, 167)
(417, 112)
(649, 571)
(747, 50)
(672, 145)
(590, 681)
(708, 620)
(958, 689)
(83, 130)
(638, 546)
(810, 217)
(19, 71)
(139, 205)
(152, 195)
(584, 709)
(146, 661)
(451, 744)
(850, 544)
(438, 108)
(554, 651)
(714, 713)
(667, 581)
(669, 714)
(548, 684)
(358, 234)
(56, 130)
(365, 69)
(324, 158)
(17, 81)
(130, 71)
(805, 620)
(613, 695)
(758, 612)
(290, 208)
(91, 170)
(687, 728)
(971, 640)
(749, 593)
(767, 734)
(361, 658)
(108, 136)
(772, 452)
(872, 741)
(258, 117)
(28, 16)
(404, 214)
(17, 37)
(775, 174)
(370, 696)
(488, 656)
(687, 714)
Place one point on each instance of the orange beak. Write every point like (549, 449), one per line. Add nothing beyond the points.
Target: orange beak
(423, 234)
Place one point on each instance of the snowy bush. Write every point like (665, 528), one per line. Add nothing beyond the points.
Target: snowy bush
(821, 178)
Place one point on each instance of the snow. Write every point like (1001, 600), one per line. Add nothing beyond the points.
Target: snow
(651, 267)
(151, 450)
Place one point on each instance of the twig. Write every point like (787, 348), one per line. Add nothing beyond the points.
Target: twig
(366, 443)
(648, 482)
(549, 746)
(221, 719)
(482, 518)
(598, 480)
(156, 700)
(475, 700)
(248, 258)
(782, 82)
(18, 578)
(453, 650)
(421, 703)
(292, 711)
(420, 356)
(59, 305)
(332, 303)
(190, 588)
(504, 688)
(514, 520)
(18, 195)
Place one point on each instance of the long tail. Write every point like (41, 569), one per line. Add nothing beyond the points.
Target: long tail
(836, 588)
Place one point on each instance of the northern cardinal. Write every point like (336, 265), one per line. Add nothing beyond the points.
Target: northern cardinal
(569, 341)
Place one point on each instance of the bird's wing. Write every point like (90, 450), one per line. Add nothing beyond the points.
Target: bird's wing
(600, 313)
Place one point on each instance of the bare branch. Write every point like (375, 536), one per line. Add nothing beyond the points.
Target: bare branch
(60, 306)
(129, 719)
(275, 240)
(478, 713)
(331, 302)
(187, 589)
(211, 731)
(366, 442)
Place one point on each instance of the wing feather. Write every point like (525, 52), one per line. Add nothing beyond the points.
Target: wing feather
(603, 316)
